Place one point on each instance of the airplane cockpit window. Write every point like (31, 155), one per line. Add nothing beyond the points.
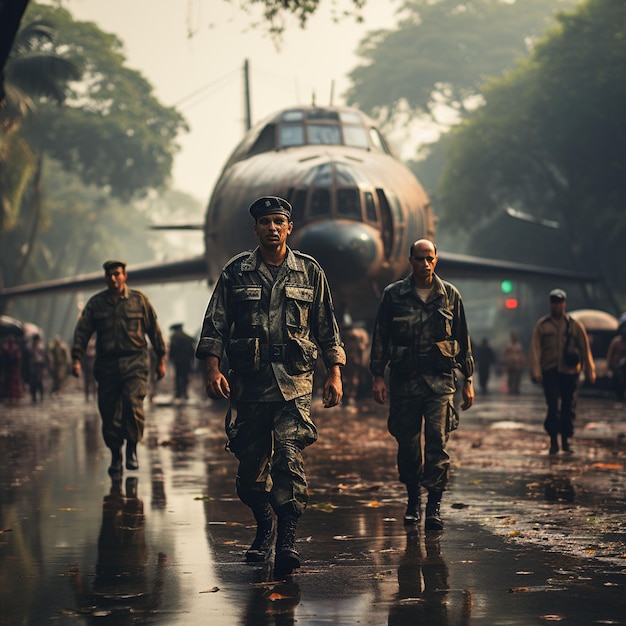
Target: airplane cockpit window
(378, 141)
(320, 176)
(291, 135)
(264, 142)
(324, 134)
(320, 203)
(299, 204)
(348, 203)
(294, 115)
(355, 136)
(351, 117)
(370, 207)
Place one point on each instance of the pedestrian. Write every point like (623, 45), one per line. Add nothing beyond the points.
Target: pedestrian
(559, 349)
(356, 342)
(485, 358)
(181, 354)
(59, 362)
(421, 333)
(616, 359)
(37, 365)
(122, 318)
(12, 381)
(270, 311)
(514, 362)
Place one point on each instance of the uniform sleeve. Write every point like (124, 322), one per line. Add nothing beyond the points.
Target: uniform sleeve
(85, 327)
(216, 325)
(534, 354)
(379, 354)
(154, 330)
(326, 327)
(584, 348)
(465, 358)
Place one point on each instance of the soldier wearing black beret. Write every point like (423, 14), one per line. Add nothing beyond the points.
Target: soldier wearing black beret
(271, 312)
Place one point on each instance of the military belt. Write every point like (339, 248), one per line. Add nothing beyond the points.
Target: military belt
(273, 353)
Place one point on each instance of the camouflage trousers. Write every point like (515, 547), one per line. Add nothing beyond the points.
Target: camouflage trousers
(422, 460)
(122, 387)
(268, 438)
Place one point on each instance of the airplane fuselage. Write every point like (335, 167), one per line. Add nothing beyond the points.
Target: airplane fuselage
(356, 208)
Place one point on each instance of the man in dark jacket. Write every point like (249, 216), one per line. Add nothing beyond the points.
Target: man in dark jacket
(122, 318)
(181, 354)
(421, 334)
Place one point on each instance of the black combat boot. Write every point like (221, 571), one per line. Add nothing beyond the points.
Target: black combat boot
(264, 539)
(413, 514)
(131, 455)
(554, 444)
(287, 557)
(565, 445)
(433, 512)
(116, 469)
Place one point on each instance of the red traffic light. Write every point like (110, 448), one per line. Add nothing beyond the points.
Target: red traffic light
(511, 303)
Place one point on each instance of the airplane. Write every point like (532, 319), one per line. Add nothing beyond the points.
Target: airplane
(356, 209)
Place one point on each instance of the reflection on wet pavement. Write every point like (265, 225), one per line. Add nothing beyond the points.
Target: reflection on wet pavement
(529, 538)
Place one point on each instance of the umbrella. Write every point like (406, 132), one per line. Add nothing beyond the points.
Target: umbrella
(10, 325)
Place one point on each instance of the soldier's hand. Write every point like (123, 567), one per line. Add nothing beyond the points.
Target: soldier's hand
(468, 395)
(76, 368)
(160, 369)
(379, 389)
(217, 387)
(333, 387)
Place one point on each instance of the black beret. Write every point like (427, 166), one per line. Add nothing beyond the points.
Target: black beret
(112, 264)
(270, 204)
(176, 327)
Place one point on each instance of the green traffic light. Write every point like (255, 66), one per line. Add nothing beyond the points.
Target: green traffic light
(506, 286)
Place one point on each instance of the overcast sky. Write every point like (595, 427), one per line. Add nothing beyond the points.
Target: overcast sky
(209, 65)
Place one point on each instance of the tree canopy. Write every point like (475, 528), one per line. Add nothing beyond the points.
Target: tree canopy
(549, 140)
(442, 51)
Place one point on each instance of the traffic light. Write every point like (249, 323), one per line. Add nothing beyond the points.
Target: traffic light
(510, 301)
(507, 286)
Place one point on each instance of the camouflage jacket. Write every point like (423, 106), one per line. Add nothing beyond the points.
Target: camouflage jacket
(271, 329)
(121, 327)
(421, 340)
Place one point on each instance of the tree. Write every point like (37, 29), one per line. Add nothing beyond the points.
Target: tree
(111, 133)
(442, 52)
(549, 140)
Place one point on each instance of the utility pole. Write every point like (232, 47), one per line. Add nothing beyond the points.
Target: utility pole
(246, 94)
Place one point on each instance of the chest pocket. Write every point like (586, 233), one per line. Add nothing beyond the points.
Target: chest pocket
(246, 301)
(297, 307)
(444, 321)
(134, 318)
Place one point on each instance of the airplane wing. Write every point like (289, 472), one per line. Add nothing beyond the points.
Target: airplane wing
(143, 274)
(451, 265)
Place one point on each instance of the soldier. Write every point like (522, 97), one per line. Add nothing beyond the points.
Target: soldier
(181, 354)
(122, 318)
(270, 310)
(421, 333)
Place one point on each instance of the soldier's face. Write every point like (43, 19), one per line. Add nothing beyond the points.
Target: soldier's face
(116, 279)
(423, 261)
(272, 230)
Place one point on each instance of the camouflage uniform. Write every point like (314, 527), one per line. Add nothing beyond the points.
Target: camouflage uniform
(121, 367)
(270, 328)
(422, 343)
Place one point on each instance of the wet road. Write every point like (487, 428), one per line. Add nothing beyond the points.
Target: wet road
(529, 538)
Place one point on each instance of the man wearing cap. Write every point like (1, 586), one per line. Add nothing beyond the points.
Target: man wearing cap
(270, 312)
(121, 318)
(181, 354)
(559, 349)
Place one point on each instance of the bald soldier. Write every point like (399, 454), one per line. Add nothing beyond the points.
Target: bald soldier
(122, 319)
(421, 334)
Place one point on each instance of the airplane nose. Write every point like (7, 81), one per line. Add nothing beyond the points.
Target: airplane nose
(346, 251)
